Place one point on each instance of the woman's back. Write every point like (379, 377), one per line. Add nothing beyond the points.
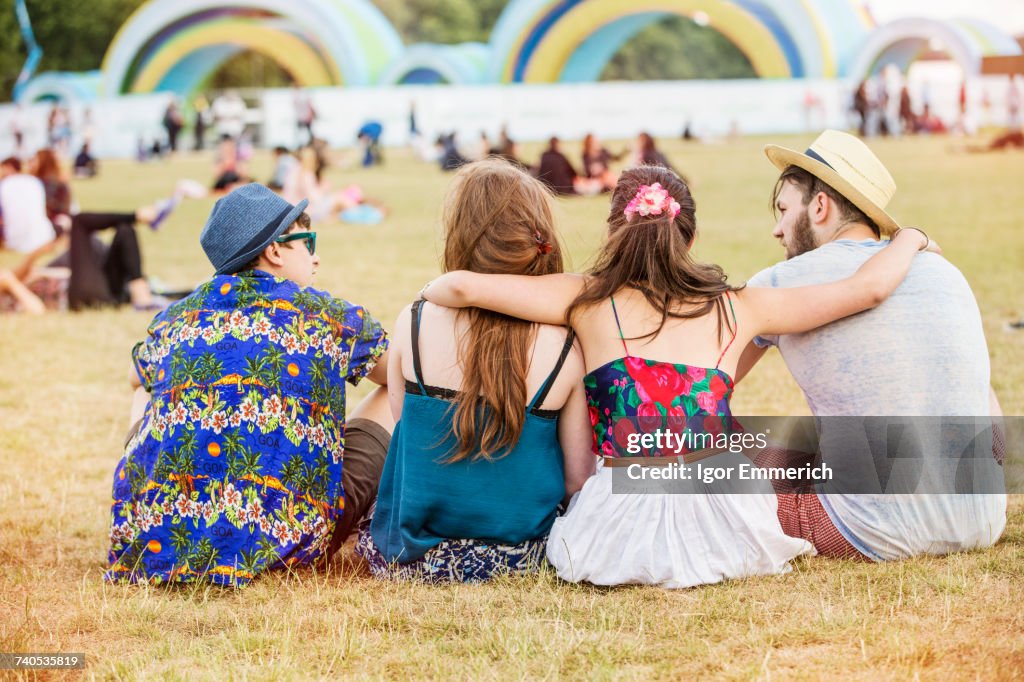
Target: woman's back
(663, 335)
(507, 498)
(675, 378)
(492, 420)
(698, 341)
(440, 331)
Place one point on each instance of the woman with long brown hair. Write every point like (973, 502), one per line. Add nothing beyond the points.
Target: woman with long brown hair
(492, 430)
(597, 162)
(45, 166)
(647, 294)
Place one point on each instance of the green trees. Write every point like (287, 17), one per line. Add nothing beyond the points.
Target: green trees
(75, 35)
(674, 49)
(442, 21)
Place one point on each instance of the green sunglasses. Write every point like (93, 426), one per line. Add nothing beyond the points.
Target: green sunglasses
(308, 237)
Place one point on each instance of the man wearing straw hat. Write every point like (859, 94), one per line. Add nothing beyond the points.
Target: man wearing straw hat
(246, 458)
(921, 353)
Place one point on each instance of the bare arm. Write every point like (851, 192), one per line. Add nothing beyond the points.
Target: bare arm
(537, 299)
(133, 376)
(140, 401)
(576, 439)
(993, 402)
(30, 303)
(751, 354)
(396, 379)
(24, 269)
(379, 373)
(800, 309)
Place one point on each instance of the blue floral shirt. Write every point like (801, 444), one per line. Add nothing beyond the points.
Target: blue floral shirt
(236, 465)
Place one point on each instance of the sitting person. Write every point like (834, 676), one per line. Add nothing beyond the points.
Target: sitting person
(448, 153)
(646, 153)
(23, 208)
(597, 163)
(89, 272)
(508, 149)
(229, 167)
(348, 204)
(237, 467)
(284, 162)
(830, 202)
(86, 165)
(928, 122)
(46, 166)
(555, 171)
(493, 431)
(647, 295)
(18, 296)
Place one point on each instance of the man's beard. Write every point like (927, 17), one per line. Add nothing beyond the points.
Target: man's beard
(803, 237)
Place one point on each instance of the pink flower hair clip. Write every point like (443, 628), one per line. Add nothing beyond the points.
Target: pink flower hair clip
(651, 200)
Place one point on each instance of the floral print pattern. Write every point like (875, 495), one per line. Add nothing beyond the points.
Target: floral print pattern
(631, 395)
(455, 560)
(236, 465)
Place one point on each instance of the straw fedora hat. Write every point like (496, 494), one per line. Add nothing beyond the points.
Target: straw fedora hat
(847, 165)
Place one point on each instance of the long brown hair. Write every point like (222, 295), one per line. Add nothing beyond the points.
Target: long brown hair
(497, 220)
(47, 166)
(652, 254)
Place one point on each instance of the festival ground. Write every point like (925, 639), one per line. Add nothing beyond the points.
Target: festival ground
(64, 402)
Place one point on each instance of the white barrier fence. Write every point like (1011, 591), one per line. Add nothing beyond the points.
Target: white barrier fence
(117, 126)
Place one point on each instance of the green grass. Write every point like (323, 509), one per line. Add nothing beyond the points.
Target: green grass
(63, 409)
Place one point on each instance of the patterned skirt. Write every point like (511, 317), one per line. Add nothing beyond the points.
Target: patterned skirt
(455, 561)
(53, 291)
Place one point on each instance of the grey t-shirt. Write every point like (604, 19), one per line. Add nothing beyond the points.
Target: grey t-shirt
(920, 353)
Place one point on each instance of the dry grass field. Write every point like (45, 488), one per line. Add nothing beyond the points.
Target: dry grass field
(64, 403)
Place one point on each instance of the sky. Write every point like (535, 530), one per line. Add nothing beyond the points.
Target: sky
(1008, 14)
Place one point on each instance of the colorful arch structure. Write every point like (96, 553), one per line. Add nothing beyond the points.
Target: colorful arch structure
(573, 40)
(902, 41)
(425, 64)
(58, 85)
(175, 44)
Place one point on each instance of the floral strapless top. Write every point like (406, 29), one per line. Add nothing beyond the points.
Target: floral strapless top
(632, 393)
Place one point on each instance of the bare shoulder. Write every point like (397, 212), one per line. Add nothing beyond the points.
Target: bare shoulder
(404, 319)
(551, 336)
(550, 342)
(400, 330)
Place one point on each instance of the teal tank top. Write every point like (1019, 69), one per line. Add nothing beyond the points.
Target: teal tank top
(423, 501)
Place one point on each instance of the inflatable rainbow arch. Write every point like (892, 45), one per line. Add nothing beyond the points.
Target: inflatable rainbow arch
(174, 45)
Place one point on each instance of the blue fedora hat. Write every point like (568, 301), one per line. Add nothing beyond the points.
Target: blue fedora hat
(244, 223)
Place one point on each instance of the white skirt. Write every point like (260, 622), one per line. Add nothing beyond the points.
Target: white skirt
(671, 540)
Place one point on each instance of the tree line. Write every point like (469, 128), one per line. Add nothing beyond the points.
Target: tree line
(74, 36)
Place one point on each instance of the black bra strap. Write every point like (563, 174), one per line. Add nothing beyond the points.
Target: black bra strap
(549, 382)
(416, 344)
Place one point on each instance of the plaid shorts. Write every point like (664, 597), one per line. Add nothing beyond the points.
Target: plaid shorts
(802, 516)
(801, 513)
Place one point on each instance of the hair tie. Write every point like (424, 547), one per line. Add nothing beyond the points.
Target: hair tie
(543, 245)
(651, 200)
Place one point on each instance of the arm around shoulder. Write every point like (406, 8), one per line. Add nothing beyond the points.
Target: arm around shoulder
(543, 299)
(575, 433)
(800, 309)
